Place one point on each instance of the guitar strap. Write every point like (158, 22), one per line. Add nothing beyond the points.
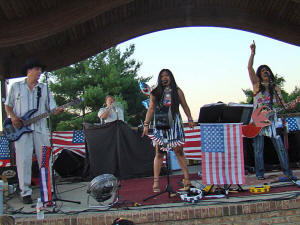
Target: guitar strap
(280, 100)
(39, 94)
(271, 91)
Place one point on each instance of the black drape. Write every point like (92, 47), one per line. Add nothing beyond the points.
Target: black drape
(115, 148)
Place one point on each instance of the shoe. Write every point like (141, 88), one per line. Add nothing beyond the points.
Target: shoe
(186, 184)
(156, 185)
(292, 178)
(261, 178)
(27, 199)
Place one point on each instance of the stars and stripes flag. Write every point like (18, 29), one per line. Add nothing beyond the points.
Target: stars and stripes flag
(45, 175)
(71, 140)
(222, 154)
(4, 152)
(293, 123)
(192, 145)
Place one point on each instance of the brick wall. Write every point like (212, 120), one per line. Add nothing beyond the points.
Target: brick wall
(266, 212)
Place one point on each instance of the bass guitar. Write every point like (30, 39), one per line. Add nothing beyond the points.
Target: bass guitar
(13, 134)
(260, 118)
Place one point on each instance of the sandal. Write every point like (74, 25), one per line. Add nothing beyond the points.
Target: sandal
(186, 184)
(156, 184)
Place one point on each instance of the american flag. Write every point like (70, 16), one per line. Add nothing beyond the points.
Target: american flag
(222, 154)
(293, 123)
(45, 177)
(192, 145)
(71, 140)
(4, 152)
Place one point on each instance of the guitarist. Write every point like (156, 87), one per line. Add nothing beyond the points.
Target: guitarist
(266, 93)
(24, 96)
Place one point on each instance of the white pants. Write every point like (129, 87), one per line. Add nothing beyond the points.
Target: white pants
(24, 149)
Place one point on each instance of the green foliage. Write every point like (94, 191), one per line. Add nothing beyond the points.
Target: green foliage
(110, 72)
(249, 95)
(293, 96)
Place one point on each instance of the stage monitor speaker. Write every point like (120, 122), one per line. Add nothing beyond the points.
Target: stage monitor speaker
(222, 113)
(69, 164)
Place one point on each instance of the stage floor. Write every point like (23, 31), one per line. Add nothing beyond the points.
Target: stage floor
(133, 191)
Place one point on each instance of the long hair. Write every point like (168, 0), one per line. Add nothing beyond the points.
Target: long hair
(258, 74)
(158, 91)
(271, 85)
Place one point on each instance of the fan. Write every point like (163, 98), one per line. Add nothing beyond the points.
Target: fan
(102, 188)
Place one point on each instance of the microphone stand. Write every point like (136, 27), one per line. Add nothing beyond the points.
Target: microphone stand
(54, 195)
(285, 135)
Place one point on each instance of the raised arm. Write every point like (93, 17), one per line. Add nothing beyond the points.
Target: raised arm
(185, 107)
(103, 113)
(254, 79)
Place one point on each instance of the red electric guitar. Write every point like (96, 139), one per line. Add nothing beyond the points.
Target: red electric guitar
(260, 118)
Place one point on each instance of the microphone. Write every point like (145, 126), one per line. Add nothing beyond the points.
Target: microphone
(271, 80)
(164, 82)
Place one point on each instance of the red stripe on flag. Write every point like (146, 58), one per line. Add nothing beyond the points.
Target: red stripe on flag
(192, 144)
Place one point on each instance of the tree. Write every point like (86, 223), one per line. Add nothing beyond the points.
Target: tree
(110, 72)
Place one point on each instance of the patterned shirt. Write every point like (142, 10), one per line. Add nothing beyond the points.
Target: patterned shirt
(263, 99)
(22, 99)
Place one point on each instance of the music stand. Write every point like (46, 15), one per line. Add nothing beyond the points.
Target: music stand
(222, 113)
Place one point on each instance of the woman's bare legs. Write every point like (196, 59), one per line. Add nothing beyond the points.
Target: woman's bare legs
(182, 163)
(158, 161)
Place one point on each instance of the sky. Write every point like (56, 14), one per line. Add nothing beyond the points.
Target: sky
(210, 64)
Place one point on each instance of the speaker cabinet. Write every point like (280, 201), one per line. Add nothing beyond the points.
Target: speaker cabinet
(69, 164)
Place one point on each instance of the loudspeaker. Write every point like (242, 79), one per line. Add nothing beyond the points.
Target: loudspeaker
(69, 164)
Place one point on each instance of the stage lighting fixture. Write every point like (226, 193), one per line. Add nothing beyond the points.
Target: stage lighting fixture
(102, 188)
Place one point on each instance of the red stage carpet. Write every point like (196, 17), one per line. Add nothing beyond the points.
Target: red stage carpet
(136, 190)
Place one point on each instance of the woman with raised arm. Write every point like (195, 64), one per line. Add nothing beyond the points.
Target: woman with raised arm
(167, 94)
(266, 95)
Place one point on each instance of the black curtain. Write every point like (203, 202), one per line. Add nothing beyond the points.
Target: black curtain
(115, 148)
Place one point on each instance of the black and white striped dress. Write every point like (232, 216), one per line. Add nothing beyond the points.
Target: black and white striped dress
(170, 138)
